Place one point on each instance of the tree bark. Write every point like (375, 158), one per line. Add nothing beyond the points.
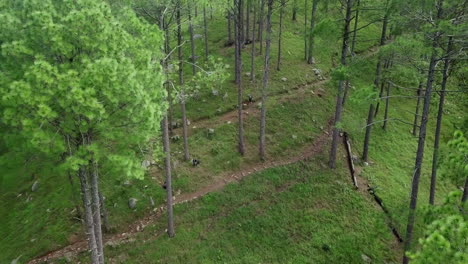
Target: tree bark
(96, 205)
(104, 214)
(252, 62)
(280, 35)
(356, 20)
(418, 103)
(192, 41)
(260, 27)
(247, 20)
(306, 50)
(205, 26)
(265, 82)
(88, 210)
(370, 117)
(167, 166)
(465, 192)
(310, 58)
(421, 142)
(238, 30)
(294, 11)
(339, 103)
(440, 113)
(387, 100)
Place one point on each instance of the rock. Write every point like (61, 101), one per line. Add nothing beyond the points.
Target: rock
(228, 122)
(188, 122)
(145, 164)
(366, 258)
(284, 79)
(127, 183)
(321, 127)
(355, 158)
(317, 72)
(294, 137)
(214, 92)
(366, 164)
(247, 74)
(197, 36)
(259, 105)
(175, 138)
(211, 131)
(132, 202)
(219, 110)
(35, 186)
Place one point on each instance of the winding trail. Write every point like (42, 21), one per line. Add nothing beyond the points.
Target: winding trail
(138, 226)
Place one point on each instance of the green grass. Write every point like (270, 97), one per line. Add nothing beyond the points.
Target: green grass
(294, 119)
(302, 213)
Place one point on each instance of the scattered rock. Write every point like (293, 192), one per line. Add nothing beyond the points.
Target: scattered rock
(188, 122)
(211, 131)
(366, 258)
(35, 186)
(317, 72)
(228, 122)
(214, 92)
(247, 74)
(321, 127)
(294, 137)
(366, 164)
(145, 164)
(284, 79)
(132, 202)
(175, 138)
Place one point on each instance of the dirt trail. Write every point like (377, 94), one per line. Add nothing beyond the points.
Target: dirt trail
(230, 116)
(139, 225)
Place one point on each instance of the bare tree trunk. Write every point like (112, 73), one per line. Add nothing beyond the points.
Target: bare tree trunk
(104, 214)
(386, 107)
(378, 76)
(440, 113)
(240, 24)
(421, 141)
(167, 166)
(96, 202)
(192, 41)
(418, 103)
(265, 82)
(306, 49)
(205, 25)
(310, 58)
(247, 20)
(89, 220)
(238, 30)
(339, 103)
(252, 63)
(356, 18)
(465, 192)
(370, 117)
(260, 27)
(280, 35)
(294, 11)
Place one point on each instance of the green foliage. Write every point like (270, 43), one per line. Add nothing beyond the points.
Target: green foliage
(445, 236)
(77, 68)
(455, 165)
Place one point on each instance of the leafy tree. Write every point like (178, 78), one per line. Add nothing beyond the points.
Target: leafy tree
(77, 78)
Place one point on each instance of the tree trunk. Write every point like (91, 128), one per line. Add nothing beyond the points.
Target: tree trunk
(306, 50)
(238, 29)
(294, 11)
(93, 171)
(384, 127)
(104, 214)
(465, 192)
(265, 82)
(192, 41)
(280, 35)
(310, 58)
(205, 26)
(247, 20)
(240, 24)
(378, 74)
(260, 27)
(421, 141)
(440, 113)
(356, 18)
(416, 115)
(89, 221)
(252, 62)
(370, 117)
(339, 103)
(167, 166)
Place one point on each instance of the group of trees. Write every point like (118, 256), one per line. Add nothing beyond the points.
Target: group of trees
(80, 76)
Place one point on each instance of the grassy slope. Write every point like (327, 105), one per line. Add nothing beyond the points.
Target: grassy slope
(28, 220)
